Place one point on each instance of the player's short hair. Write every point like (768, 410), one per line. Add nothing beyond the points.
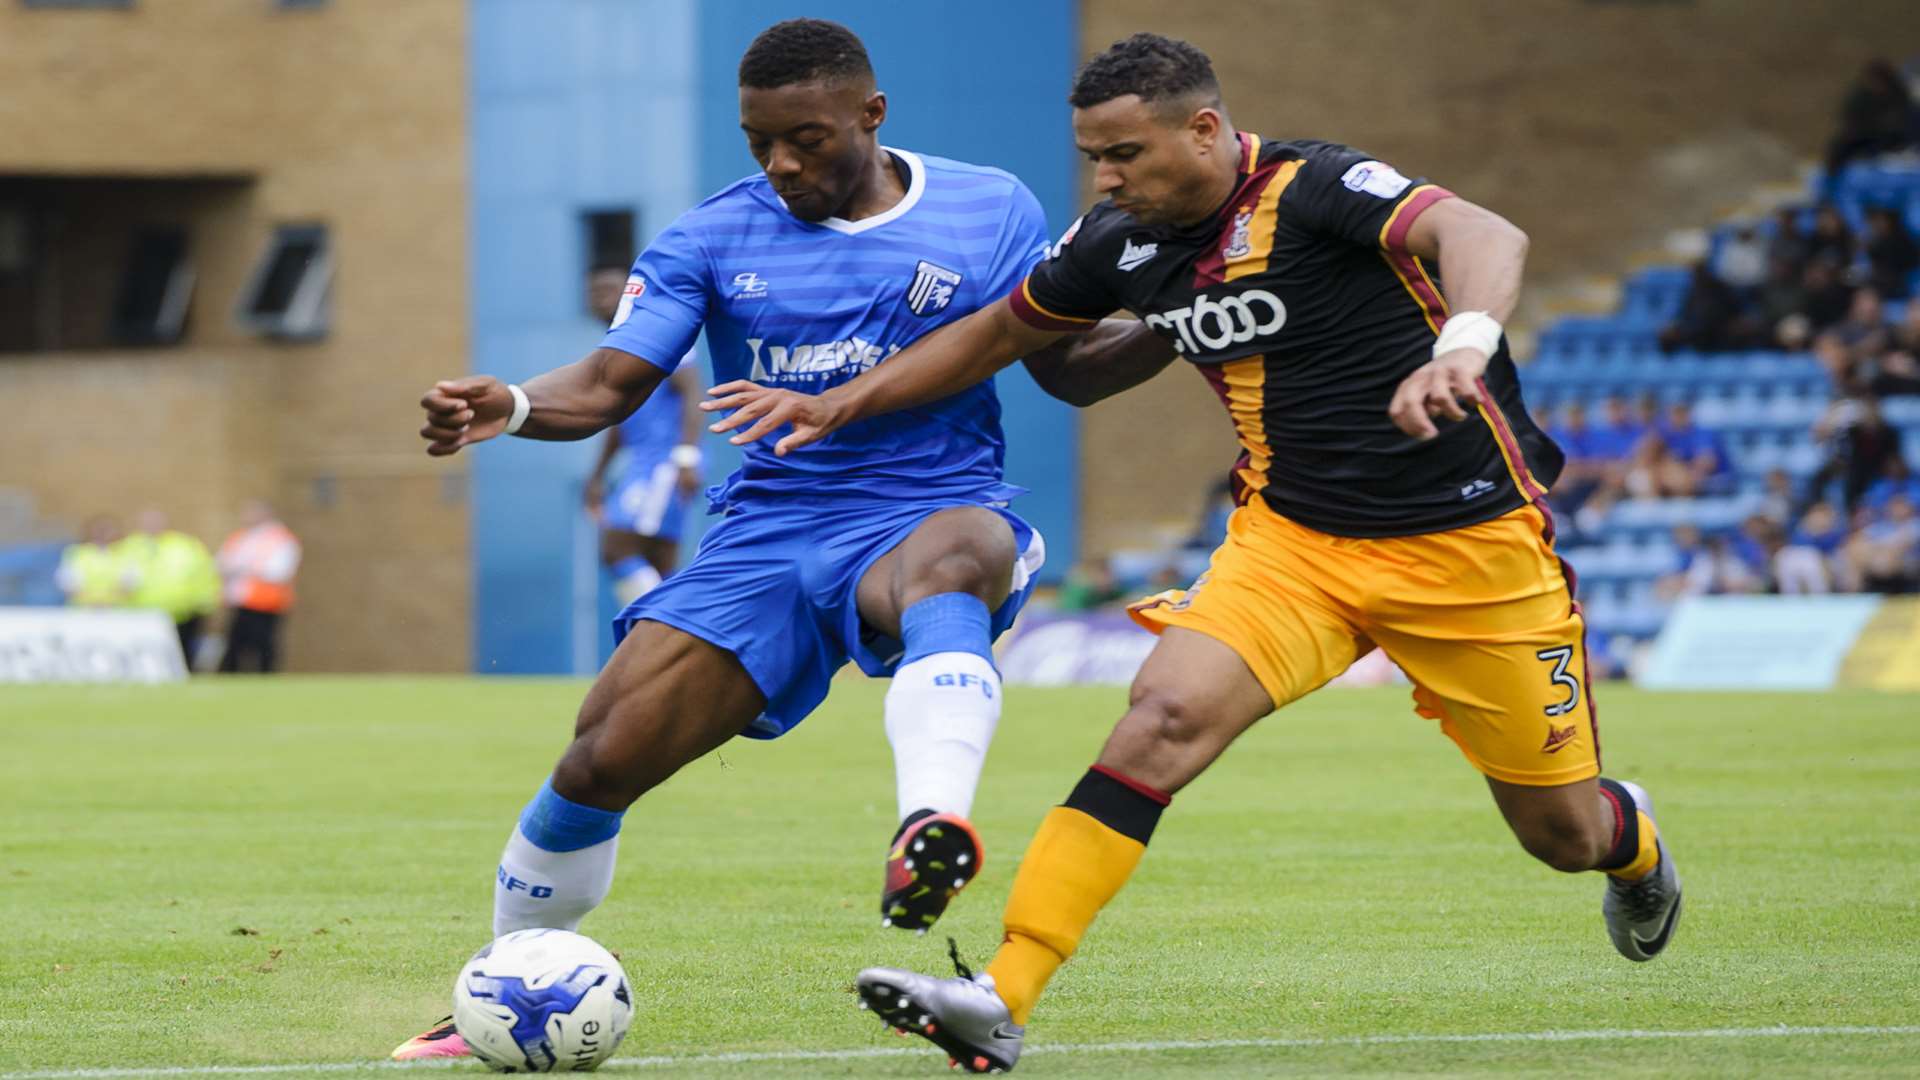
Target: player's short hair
(1158, 69)
(803, 50)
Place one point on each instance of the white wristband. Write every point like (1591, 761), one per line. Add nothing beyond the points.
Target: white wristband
(521, 407)
(685, 456)
(1469, 330)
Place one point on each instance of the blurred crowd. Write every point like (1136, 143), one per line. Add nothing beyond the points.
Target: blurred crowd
(248, 581)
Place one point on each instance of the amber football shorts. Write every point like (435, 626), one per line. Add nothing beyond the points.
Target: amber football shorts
(1480, 618)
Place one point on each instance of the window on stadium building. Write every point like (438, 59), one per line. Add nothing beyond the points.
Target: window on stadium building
(155, 288)
(287, 297)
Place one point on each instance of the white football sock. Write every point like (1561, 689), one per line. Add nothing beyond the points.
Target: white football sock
(634, 585)
(941, 711)
(552, 889)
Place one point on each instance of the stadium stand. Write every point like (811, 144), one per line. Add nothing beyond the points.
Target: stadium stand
(1820, 442)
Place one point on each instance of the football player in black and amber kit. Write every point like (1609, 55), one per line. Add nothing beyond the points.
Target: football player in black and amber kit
(1391, 495)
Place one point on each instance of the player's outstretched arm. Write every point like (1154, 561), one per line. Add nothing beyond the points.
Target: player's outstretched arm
(571, 402)
(939, 365)
(1115, 356)
(1481, 257)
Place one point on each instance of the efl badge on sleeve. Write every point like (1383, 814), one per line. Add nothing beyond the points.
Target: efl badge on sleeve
(932, 288)
(636, 287)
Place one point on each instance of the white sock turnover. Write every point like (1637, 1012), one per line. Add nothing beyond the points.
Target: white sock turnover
(941, 711)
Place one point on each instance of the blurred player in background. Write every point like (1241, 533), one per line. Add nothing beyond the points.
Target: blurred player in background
(640, 522)
(890, 544)
(1392, 494)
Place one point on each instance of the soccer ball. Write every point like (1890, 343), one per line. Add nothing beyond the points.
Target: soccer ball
(542, 1001)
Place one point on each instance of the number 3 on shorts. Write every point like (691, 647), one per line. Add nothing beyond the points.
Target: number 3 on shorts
(1560, 658)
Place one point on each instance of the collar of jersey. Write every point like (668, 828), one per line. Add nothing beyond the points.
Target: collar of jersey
(916, 184)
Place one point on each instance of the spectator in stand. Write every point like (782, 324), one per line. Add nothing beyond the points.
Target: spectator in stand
(1742, 262)
(175, 575)
(1710, 318)
(1789, 246)
(1883, 555)
(1826, 297)
(1822, 529)
(1864, 330)
(1892, 254)
(1654, 473)
(1905, 336)
(1876, 117)
(1894, 374)
(1781, 502)
(1860, 444)
(1618, 432)
(1831, 240)
(94, 571)
(1708, 567)
(1782, 295)
(1698, 452)
(1896, 481)
(1583, 472)
(258, 563)
(1790, 569)
(1088, 586)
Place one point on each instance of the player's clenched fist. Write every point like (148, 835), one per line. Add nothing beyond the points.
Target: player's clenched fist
(464, 411)
(813, 417)
(1446, 386)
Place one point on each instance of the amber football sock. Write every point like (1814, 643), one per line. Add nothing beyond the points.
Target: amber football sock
(1084, 852)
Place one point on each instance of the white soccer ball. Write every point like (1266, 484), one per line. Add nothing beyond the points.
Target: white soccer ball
(542, 1001)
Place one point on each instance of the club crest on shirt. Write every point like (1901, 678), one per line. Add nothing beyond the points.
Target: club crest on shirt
(932, 288)
(1239, 241)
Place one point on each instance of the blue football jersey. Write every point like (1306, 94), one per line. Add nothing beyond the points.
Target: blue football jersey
(650, 434)
(806, 306)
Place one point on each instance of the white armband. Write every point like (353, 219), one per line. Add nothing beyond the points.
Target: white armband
(521, 407)
(685, 456)
(1469, 330)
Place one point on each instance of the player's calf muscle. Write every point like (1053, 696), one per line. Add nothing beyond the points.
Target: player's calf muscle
(665, 700)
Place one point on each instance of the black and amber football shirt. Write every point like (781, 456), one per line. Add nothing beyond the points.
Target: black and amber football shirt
(1301, 305)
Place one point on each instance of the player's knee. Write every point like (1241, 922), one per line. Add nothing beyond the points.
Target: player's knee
(1166, 717)
(1567, 844)
(979, 563)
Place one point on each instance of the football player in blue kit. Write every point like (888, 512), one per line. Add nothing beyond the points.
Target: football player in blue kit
(890, 544)
(641, 519)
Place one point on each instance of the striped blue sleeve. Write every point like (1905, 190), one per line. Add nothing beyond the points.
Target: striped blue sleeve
(1023, 243)
(665, 301)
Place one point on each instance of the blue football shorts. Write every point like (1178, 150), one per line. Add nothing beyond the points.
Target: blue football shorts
(773, 583)
(648, 501)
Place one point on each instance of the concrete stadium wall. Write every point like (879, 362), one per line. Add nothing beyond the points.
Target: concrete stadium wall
(351, 114)
(1595, 126)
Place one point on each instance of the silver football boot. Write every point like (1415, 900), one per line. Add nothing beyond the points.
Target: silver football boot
(1641, 914)
(962, 1015)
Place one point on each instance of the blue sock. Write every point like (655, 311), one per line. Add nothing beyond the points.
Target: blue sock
(628, 565)
(553, 822)
(944, 623)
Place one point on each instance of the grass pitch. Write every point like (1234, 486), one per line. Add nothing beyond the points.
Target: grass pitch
(268, 872)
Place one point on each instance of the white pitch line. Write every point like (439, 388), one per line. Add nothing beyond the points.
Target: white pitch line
(1150, 1046)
